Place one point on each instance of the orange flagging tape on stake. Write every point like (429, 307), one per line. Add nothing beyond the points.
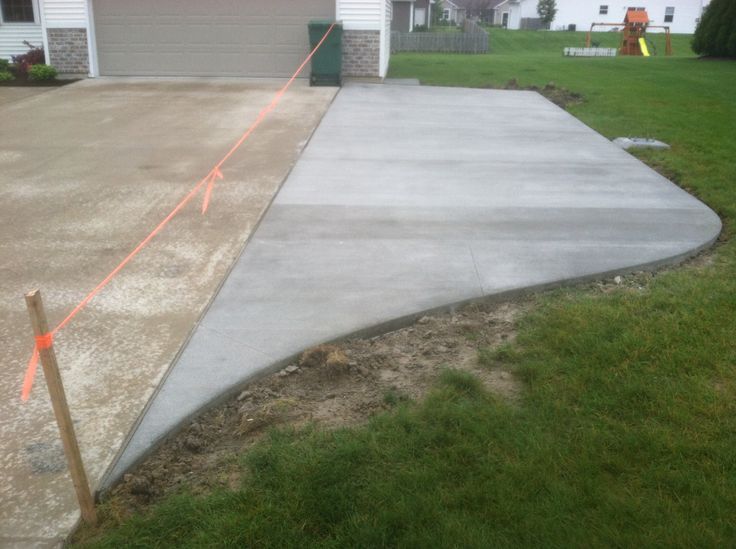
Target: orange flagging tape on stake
(45, 341)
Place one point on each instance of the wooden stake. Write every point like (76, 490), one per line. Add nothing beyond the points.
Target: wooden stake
(61, 409)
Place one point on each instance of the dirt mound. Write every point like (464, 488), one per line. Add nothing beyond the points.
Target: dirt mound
(562, 97)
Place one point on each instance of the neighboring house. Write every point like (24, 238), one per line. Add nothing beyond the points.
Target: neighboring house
(411, 13)
(408, 14)
(453, 12)
(259, 38)
(503, 11)
(403, 16)
(681, 16)
(479, 10)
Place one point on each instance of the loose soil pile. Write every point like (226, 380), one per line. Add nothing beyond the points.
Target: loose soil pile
(562, 97)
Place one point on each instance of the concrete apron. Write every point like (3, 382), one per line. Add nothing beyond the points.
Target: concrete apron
(410, 199)
(86, 172)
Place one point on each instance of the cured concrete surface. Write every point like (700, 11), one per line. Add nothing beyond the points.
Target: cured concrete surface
(86, 172)
(412, 198)
(9, 94)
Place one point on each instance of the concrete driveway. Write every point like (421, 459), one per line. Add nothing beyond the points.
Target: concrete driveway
(10, 94)
(411, 199)
(86, 172)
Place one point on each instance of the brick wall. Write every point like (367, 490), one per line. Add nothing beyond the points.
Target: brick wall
(361, 53)
(68, 51)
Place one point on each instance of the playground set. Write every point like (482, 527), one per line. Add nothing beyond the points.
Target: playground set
(633, 42)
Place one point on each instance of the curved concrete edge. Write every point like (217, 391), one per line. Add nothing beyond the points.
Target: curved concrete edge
(115, 474)
(642, 204)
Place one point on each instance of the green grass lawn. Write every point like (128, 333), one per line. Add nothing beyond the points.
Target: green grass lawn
(626, 432)
(512, 42)
(444, 28)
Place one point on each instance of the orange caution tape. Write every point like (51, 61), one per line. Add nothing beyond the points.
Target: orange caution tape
(30, 374)
(217, 174)
(209, 180)
(44, 341)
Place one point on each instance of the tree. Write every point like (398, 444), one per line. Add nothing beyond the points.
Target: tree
(480, 9)
(437, 12)
(547, 9)
(716, 32)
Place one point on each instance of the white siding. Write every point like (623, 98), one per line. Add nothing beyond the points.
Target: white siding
(12, 36)
(525, 10)
(514, 21)
(584, 12)
(360, 14)
(529, 9)
(67, 14)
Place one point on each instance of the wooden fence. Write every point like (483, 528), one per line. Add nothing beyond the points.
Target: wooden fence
(473, 39)
(533, 23)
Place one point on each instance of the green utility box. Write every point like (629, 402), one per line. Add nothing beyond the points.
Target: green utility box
(327, 60)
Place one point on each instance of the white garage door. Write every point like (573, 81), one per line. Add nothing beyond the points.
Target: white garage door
(261, 38)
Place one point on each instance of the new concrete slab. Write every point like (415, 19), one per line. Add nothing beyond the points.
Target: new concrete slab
(413, 198)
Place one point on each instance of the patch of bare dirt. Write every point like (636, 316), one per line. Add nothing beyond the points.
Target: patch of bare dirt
(562, 97)
(331, 386)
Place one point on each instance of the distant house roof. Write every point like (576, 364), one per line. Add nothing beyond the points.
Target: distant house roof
(477, 4)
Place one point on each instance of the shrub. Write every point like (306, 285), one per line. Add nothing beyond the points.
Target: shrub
(42, 73)
(23, 62)
(716, 32)
(5, 76)
(4, 65)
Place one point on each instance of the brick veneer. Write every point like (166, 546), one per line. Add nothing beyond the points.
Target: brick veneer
(361, 53)
(68, 51)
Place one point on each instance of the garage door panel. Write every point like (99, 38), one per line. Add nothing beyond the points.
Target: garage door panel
(264, 38)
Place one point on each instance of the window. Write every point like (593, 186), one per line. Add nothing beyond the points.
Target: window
(17, 11)
(446, 15)
(669, 14)
(637, 9)
(603, 10)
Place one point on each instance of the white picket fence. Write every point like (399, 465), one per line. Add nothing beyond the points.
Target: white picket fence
(590, 52)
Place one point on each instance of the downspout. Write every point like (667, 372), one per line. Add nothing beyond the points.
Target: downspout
(429, 14)
(44, 31)
(382, 38)
(94, 70)
(411, 17)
